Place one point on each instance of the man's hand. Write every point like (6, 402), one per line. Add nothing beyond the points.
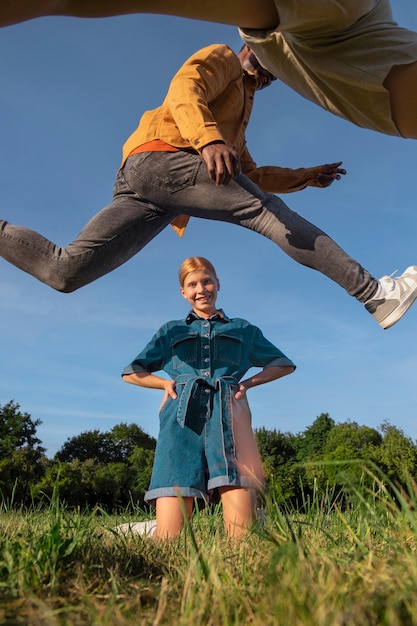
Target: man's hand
(222, 162)
(328, 173)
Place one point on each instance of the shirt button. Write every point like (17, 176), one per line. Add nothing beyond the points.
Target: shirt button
(207, 390)
(206, 360)
(206, 347)
(206, 374)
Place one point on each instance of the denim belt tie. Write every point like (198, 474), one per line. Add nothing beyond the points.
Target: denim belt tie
(189, 397)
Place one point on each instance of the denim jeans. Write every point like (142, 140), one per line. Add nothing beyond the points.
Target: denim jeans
(150, 190)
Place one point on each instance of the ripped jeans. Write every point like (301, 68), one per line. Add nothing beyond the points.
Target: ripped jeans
(150, 191)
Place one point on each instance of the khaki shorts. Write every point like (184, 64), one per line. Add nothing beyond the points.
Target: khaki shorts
(337, 54)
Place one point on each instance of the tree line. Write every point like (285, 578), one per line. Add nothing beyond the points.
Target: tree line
(112, 469)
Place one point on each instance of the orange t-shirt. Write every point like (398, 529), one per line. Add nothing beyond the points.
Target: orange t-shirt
(156, 145)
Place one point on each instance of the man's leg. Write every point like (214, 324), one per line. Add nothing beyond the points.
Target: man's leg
(259, 14)
(12, 12)
(386, 299)
(307, 244)
(110, 239)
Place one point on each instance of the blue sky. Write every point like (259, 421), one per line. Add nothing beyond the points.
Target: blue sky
(72, 92)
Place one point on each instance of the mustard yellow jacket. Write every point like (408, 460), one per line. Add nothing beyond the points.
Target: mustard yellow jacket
(209, 99)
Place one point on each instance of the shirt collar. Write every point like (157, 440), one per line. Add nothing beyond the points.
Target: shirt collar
(220, 316)
(249, 81)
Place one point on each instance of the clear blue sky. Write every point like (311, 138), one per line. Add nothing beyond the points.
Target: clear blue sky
(72, 91)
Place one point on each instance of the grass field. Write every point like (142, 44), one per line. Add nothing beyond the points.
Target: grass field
(331, 565)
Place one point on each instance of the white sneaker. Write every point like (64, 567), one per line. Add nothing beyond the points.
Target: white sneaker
(146, 528)
(400, 294)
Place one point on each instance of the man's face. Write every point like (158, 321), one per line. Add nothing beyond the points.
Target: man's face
(251, 64)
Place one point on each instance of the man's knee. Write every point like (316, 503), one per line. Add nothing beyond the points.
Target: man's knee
(63, 284)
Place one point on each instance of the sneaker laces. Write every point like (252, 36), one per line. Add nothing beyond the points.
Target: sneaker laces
(389, 281)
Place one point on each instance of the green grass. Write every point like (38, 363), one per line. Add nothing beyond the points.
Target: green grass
(331, 565)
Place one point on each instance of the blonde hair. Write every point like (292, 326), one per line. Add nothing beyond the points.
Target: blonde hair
(193, 264)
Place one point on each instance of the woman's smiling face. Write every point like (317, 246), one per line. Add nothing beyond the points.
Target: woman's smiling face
(200, 290)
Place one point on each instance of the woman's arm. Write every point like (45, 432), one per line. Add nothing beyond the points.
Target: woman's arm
(151, 381)
(267, 375)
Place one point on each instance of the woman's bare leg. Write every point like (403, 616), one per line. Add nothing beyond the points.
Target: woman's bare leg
(239, 510)
(246, 13)
(401, 83)
(169, 516)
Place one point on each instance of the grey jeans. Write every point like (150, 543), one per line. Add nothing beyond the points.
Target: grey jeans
(150, 190)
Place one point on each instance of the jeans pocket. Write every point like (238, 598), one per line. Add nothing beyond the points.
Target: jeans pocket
(166, 171)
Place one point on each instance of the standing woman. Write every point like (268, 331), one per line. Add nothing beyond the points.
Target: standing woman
(205, 441)
(348, 56)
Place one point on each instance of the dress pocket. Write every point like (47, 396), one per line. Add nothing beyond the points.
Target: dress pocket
(228, 348)
(184, 349)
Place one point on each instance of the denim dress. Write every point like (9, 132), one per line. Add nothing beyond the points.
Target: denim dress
(196, 450)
